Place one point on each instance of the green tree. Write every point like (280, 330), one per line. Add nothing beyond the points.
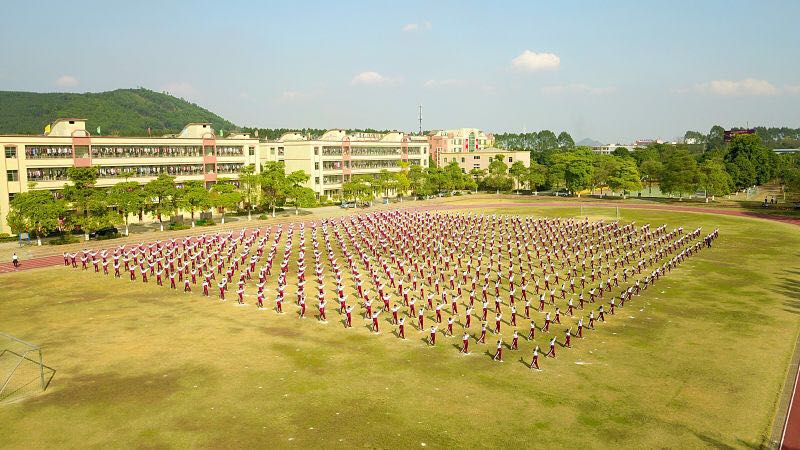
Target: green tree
(565, 141)
(651, 170)
(537, 175)
(455, 178)
(195, 197)
(520, 173)
(546, 140)
(625, 176)
(295, 181)
(35, 211)
(224, 196)
(680, 175)
(162, 194)
(750, 161)
(578, 169)
(417, 177)
(713, 178)
(274, 187)
(249, 185)
(402, 184)
(603, 168)
(129, 198)
(81, 197)
(621, 152)
(498, 178)
(477, 176)
(716, 138)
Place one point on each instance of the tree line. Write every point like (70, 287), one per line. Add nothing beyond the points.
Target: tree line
(676, 169)
(85, 206)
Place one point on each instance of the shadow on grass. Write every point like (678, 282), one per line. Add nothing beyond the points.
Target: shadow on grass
(790, 286)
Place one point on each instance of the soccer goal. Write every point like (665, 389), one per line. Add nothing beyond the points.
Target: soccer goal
(600, 212)
(22, 369)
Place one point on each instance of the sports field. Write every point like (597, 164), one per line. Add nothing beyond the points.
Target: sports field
(698, 360)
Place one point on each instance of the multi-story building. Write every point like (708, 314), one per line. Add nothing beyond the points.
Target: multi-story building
(196, 153)
(336, 156)
(480, 159)
(471, 148)
(461, 139)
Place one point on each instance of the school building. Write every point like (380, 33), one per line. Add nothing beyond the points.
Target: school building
(471, 148)
(336, 156)
(196, 153)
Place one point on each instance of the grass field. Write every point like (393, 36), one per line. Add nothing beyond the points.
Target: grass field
(698, 361)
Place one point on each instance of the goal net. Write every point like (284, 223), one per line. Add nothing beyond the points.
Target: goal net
(22, 369)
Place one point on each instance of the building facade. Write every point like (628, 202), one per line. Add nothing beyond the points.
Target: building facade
(471, 148)
(458, 140)
(480, 159)
(336, 156)
(196, 153)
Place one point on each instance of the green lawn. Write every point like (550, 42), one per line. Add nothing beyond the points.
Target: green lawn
(697, 361)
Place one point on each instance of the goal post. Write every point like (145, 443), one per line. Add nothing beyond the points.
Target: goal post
(22, 369)
(600, 211)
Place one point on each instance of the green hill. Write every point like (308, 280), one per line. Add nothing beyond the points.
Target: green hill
(123, 112)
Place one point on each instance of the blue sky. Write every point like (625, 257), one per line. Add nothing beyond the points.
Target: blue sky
(613, 71)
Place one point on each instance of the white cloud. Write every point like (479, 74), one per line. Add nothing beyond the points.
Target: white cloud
(529, 61)
(179, 89)
(576, 88)
(411, 27)
(292, 96)
(792, 89)
(66, 81)
(733, 88)
(450, 82)
(370, 78)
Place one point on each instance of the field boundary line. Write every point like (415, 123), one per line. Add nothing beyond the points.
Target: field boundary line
(786, 400)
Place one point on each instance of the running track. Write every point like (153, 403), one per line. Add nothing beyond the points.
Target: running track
(790, 435)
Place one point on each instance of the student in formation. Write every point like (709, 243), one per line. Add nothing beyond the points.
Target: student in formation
(465, 346)
(348, 321)
(498, 355)
(552, 352)
(401, 328)
(482, 338)
(535, 360)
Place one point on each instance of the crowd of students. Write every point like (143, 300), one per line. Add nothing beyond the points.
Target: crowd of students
(537, 280)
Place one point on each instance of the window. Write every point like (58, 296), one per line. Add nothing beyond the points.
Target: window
(12, 175)
(316, 150)
(476, 166)
(510, 159)
(272, 151)
(476, 157)
(316, 180)
(11, 152)
(316, 166)
(462, 159)
(445, 159)
(252, 151)
(280, 151)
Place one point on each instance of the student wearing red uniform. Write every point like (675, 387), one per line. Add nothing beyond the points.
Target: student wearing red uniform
(465, 347)
(401, 330)
(498, 355)
(535, 360)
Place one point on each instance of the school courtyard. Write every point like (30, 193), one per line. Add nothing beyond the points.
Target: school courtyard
(699, 359)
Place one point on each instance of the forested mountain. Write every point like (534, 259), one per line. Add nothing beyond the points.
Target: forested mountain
(122, 112)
